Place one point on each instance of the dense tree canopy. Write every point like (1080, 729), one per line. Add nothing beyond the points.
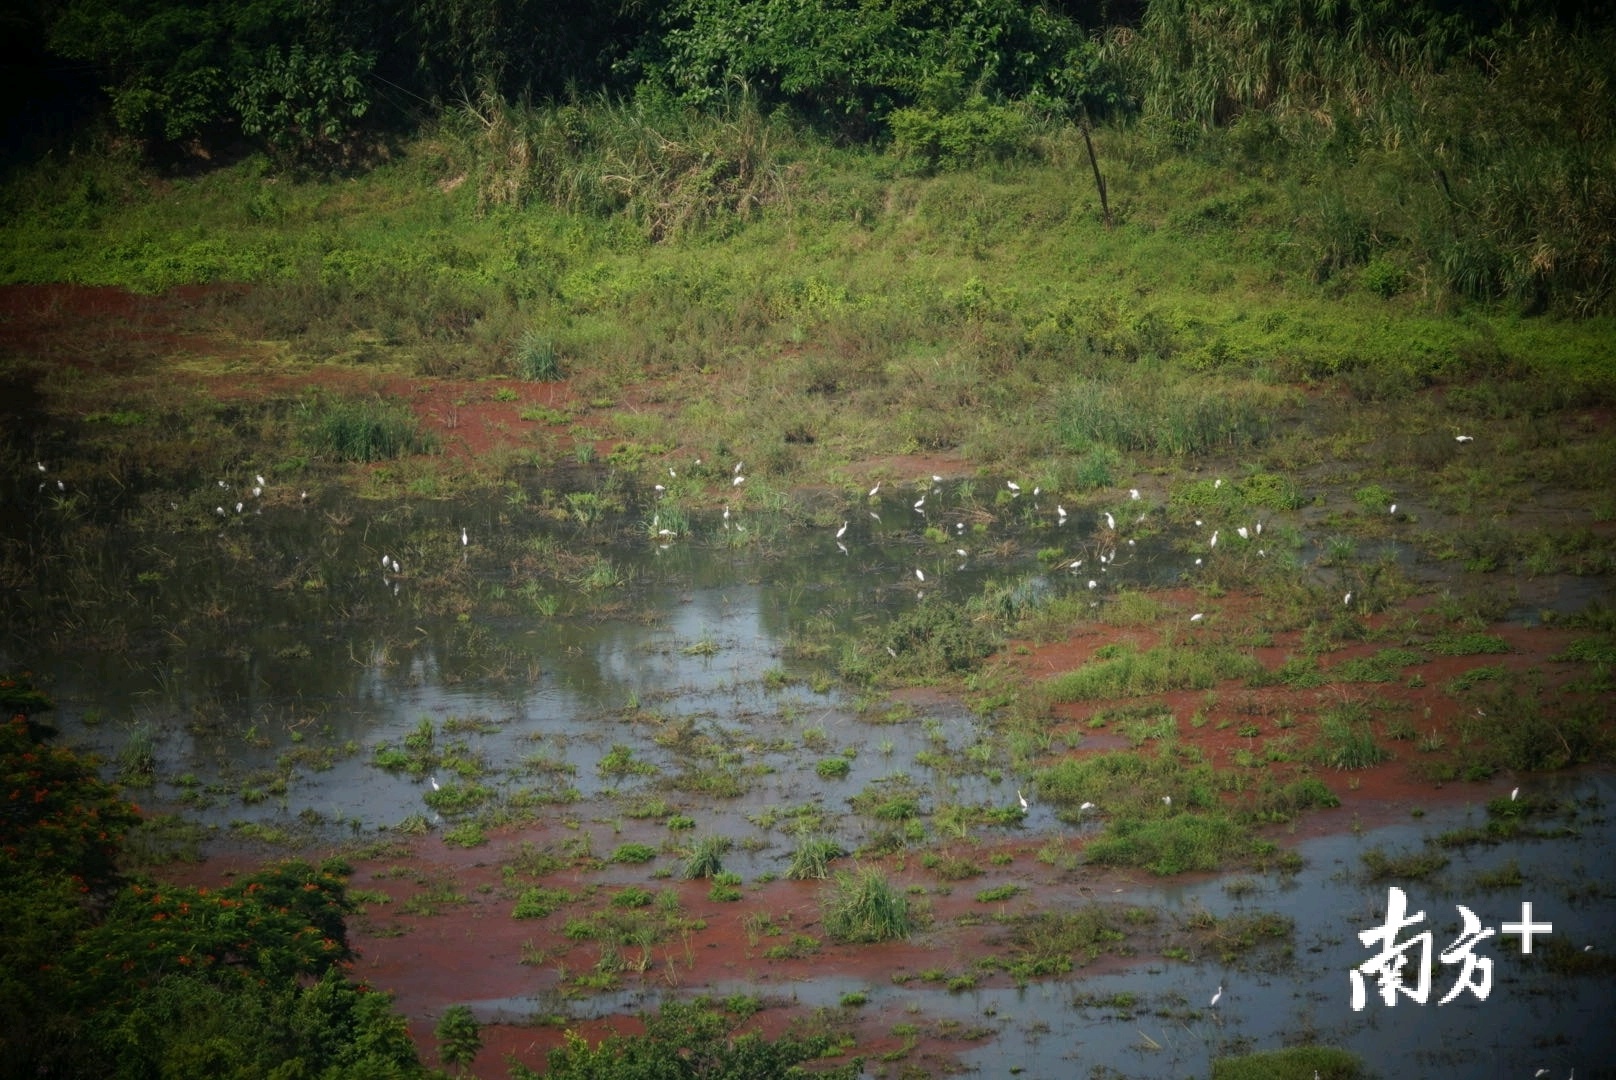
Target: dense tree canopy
(310, 79)
(106, 976)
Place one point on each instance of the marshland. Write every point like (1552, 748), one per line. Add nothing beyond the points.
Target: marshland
(997, 562)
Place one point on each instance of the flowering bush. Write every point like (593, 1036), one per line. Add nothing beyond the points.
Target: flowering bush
(106, 976)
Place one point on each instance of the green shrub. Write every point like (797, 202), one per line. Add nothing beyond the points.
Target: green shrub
(978, 132)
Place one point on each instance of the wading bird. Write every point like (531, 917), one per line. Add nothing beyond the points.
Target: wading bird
(1213, 1003)
(1022, 799)
(839, 532)
(433, 780)
(1197, 617)
(876, 490)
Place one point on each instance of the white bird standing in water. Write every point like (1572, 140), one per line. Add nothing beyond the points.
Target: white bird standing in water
(839, 532)
(433, 780)
(1346, 601)
(1213, 1003)
(1110, 522)
(919, 573)
(876, 490)
(1023, 800)
(465, 537)
(1015, 488)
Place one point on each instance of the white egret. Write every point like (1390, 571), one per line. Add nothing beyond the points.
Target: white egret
(240, 507)
(1060, 512)
(673, 474)
(433, 780)
(1392, 509)
(1133, 493)
(1110, 522)
(1213, 1003)
(1167, 801)
(919, 573)
(1217, 483)
(1022, 799)
(1259, 528)
(876, 490)
(1214, 541)
(839, 532)
(219, 510)
(1513, 792)
(1093, 584)
(1243, 533)
(61, 485)
(1014, 487)
(960, 552)
(1036, 491)
(41, 465)
(737, 469)
(258, 492)
(1463, 438)
(726, 511)
(1198, 616)
(385, 561)
(1085, 806)
(841, 547)
(659, 488)
(920, 503)
(395, 567)
(465, 537)
(1346, 601)
(738, 481)
(221, 482)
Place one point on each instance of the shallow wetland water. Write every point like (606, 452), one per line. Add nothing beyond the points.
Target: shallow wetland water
(272, 664)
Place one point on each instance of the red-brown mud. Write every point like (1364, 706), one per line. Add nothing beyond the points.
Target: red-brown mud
(473, 950)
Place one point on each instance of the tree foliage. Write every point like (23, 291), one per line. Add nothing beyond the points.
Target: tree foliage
(849, 63)
(106, 976)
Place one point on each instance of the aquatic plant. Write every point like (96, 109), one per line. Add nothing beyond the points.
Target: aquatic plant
(862, 906)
